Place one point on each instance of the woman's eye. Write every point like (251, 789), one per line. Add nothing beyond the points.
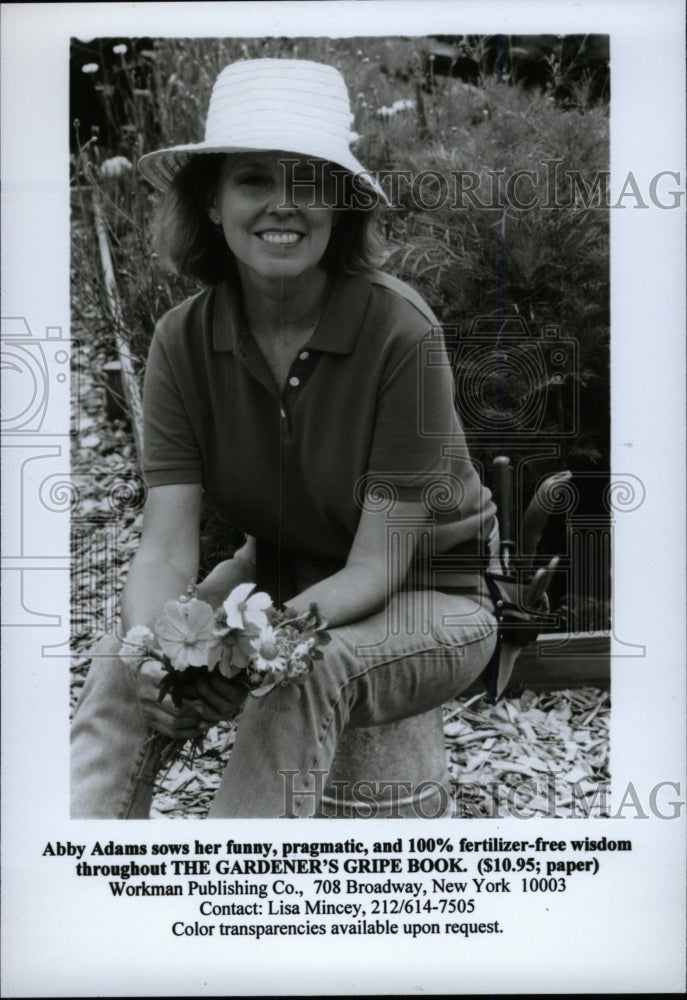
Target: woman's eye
(255, 180)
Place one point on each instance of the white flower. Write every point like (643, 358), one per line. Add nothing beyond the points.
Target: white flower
(90, 68)
(139, 635)
(186, 634)
(115, 166)
(241, 609)
(268, 656)
(385, 112)
(119, 49)
(268, 666)
(136, 640)
(303, 648)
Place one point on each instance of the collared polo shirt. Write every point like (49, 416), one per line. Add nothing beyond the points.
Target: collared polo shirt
(367, 415)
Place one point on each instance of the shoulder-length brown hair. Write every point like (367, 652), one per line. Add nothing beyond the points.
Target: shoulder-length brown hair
(194, 247)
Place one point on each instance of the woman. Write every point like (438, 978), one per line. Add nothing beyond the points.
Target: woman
(310, 396)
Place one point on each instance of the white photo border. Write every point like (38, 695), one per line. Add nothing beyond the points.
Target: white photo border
(61, 935)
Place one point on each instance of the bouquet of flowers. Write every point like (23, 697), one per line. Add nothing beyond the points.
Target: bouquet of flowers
(247, 638)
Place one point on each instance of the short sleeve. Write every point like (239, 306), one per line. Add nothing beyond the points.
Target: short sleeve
(419, 448)
(170, 449)
(414, 396)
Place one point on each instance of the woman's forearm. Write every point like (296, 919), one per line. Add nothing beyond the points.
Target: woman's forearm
(370, 576)
(355, 592)
(167, 558)
(152, 581)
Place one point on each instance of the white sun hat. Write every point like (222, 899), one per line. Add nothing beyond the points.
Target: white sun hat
(291, 105)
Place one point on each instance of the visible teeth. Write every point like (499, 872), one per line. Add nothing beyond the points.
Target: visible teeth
(280, 238)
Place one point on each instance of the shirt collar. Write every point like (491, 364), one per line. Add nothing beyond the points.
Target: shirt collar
(228, 325)
(345, 305)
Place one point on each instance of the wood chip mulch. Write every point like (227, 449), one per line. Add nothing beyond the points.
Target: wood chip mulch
(541, 754)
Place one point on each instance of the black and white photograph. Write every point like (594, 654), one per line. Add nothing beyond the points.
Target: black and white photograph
(343, 466)
(382, 429)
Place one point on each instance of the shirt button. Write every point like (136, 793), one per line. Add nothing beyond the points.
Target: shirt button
(304, 355)
(283, 413)
(294, 381)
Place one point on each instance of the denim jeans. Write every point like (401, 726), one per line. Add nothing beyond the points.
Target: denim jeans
(424, 648)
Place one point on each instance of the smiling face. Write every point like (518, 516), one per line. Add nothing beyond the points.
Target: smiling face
(273, 231)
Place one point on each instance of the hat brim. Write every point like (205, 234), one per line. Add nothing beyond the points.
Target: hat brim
(161, 166)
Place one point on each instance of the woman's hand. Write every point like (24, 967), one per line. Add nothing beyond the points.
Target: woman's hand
(217, 585)
(177, 723)
(214, 698)
(369, 578)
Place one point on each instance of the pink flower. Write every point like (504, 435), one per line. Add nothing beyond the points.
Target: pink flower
(236, 651)
(185, 632)
(241, 609)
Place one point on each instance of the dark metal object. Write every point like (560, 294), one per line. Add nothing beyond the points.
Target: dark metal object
(504, 495)
(520, 606)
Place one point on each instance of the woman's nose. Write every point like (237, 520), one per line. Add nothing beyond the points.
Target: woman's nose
(282, 200)
(281, 205)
